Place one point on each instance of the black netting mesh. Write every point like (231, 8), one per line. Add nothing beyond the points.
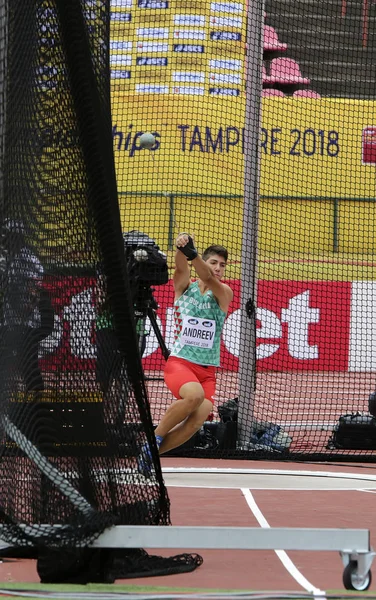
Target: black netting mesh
(70, 435)
(289, 190)
(297, 347)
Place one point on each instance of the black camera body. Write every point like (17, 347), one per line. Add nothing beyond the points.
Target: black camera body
(147, 267)
(146, 264)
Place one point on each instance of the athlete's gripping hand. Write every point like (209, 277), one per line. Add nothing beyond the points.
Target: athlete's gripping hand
(186, 245)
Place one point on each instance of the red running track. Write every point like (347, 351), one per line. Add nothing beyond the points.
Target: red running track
(255, 570)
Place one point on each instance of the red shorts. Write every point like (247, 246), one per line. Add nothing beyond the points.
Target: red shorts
(179, 371)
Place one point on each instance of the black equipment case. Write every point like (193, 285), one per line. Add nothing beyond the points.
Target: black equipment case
(355, 431)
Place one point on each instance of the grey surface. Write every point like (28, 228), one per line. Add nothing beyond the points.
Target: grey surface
(265, 481)
(235, 538)
(228, 538)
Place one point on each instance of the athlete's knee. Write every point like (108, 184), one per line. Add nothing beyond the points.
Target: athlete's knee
(193, 400)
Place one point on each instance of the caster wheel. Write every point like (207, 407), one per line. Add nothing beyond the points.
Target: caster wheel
(351, 579)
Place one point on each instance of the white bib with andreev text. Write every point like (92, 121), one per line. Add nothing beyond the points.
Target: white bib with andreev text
(198, 332)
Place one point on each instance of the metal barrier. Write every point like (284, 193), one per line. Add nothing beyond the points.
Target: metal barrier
(352, 544)
(172, 196)
(365, 19)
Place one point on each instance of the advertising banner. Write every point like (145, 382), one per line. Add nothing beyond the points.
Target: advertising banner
(309, 147)
(181, 49)
(300, 326)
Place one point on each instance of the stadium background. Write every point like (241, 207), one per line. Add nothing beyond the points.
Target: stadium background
(316, 198)
(316, 226)
(317, 155)
(179, 72)
(320, 143)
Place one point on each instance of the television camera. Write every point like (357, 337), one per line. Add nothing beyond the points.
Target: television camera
(147, 267)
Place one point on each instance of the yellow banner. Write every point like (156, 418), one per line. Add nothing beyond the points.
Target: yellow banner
(308, 147)
(176, 48)
(313, 147)
(199, 144)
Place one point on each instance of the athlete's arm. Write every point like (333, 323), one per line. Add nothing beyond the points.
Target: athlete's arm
(182, 273)
(221, 291)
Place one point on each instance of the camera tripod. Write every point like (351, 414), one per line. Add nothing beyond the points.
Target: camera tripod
(145, 308)
(117, 391)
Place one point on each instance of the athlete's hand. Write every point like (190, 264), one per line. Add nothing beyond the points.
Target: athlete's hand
(186, 245)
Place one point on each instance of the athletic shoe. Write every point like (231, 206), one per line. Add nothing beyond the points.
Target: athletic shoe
(145, 459)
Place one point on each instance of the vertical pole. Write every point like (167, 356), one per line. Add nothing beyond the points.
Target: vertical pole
(335, 225)
(344, 8)
(3, 79)
(171, 221)
(247, 357)
(365, 25)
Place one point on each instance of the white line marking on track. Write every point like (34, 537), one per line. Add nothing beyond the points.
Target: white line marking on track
(282, 555)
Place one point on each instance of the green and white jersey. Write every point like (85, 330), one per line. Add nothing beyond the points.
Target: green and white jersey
(104, 320)
(198, 327)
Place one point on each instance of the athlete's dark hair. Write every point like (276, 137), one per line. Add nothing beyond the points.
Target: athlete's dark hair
(215, 249)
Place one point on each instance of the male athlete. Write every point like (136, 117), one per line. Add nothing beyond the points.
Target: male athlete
(200, 309)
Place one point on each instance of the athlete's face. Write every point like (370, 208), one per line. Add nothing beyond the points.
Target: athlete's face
(217, 265)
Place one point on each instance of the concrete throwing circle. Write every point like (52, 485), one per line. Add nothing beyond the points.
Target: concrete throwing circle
(266, 479)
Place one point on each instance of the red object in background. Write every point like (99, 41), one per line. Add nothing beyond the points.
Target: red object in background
(369, 145)
(71, 347)
(300, 326)
(314, 322)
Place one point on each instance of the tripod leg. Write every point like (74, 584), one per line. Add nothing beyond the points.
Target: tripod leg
(123, 391)
(158, 333)
(141, 332)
